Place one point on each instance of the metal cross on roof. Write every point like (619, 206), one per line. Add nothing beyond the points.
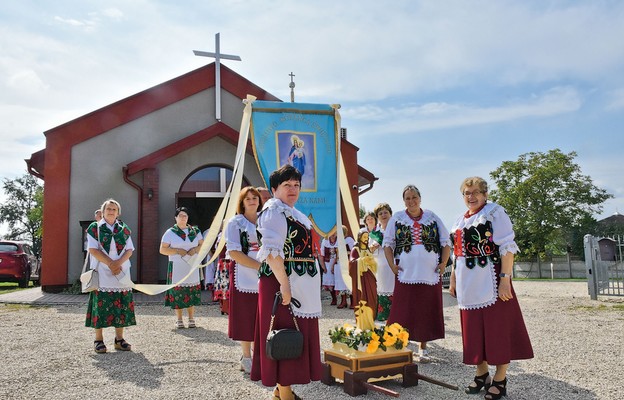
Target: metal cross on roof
(291, 85)
(217, 56)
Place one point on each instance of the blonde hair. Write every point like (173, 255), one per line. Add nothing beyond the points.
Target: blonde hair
(111, 201)
(382, 206)
(477, 181)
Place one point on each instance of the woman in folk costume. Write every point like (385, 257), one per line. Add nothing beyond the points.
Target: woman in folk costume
(363, 267)
(493, 330)
(417, 248)
(221, 285)
(181, 242)
(329, 253)
(242, 247)
(209, 270)
(287, 266)
(370, 222)
(385, 276)
(110, 248)
(329, 256)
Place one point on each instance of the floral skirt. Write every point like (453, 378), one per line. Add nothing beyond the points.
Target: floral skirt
(383, 307)
(221, 288)
(181, 296)
(106, 309)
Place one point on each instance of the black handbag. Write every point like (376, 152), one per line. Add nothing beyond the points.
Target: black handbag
(284, 344)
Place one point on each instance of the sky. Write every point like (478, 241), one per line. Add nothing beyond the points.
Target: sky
(430, 91)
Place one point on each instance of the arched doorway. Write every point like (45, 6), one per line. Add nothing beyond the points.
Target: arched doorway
(203, 191)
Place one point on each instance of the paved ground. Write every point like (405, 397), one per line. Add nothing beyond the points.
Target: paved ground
(47, 352)
(35, 296)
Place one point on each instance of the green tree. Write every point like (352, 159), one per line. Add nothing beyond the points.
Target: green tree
(23, 211)
(547, 198)
(610, 228)
(576, 235)
(362, 212)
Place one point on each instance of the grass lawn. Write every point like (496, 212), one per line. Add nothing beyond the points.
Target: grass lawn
(9, 287)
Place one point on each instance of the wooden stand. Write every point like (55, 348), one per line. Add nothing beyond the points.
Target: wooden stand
(356, 369)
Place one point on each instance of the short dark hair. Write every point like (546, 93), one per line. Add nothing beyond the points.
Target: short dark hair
(285, 173)
(370, 214)
(410, 188)
(183, 209)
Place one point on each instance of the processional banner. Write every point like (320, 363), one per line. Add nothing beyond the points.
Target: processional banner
(305, 136)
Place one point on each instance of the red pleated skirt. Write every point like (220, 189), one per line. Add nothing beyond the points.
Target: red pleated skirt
(495, 334)
(418, 307)
(242, 312)
(286, 372)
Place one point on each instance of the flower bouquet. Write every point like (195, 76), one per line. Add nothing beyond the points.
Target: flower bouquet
(367, 337)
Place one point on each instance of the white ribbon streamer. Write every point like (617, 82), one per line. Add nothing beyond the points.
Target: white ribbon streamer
(226, 210)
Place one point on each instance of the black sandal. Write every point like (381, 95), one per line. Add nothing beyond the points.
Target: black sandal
(480, 381)
(502, 390)
(100, 347)
(121, 344)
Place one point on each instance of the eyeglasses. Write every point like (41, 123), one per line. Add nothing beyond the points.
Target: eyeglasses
(474, 193)
(289, 186)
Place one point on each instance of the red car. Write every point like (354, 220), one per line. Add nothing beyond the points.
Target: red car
(18, 263)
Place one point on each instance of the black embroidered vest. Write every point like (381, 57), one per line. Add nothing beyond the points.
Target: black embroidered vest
(298, 256)
(244, 239)
(429, 234)
(478, 244)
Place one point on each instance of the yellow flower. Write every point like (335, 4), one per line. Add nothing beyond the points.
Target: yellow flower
(372, 347)
(404, 337)
(394, 328)
(374, 336)
(389, 339)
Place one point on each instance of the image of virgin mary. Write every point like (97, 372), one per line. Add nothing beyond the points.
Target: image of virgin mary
(296, 156)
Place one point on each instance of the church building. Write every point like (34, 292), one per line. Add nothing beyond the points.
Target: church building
(159, 149)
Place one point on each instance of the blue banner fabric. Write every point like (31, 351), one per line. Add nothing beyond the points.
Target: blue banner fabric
(304, 136)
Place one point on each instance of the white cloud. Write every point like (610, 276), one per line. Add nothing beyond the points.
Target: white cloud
(94, 19)
(411, 118)
(422, 65)
(616, 100)
(27, 82)
(113, 13)
(378, 51)
(88, 25)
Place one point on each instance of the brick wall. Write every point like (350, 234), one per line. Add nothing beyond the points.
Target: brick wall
(150, 237)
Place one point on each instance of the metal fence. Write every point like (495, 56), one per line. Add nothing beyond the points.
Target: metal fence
(604, 278)
(551, 268)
